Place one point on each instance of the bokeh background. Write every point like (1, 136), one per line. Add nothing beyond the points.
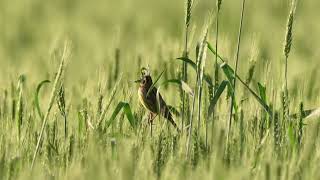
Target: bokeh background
(33, 31)
(31, 28)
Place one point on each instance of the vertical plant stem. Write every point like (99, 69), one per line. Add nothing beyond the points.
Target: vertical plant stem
(286, 91)
(199, 107)
(201, 57)
(216, 69)
(52, 98)
(20, 106)
(191, 123)
(192, 109)
(185, 98)
(235, 73)
(286, 51)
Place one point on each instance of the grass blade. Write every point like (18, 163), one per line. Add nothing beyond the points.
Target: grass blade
(127, 110)
(106, 108)
(183, 84)
(36, 97)
(216, 97)
(206, 77)
(229, 74)
(52, 98)
(261, 102)
(262, 92)
(213, 51)
(188, 61)
(229, 70)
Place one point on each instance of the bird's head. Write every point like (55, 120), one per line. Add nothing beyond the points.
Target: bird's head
(145, 80)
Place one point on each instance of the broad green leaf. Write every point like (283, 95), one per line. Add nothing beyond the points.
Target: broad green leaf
(127, 110)
(262, 92)
(216, 97)
(36, 97)
(108, 104)
(80, 123)
(262, 103)
(214, 52)
(206, 77)
(292, 138)
(185, 87)
(188, 61)
(229, 72)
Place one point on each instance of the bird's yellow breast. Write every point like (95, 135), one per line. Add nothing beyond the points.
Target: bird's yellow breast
(142, 99)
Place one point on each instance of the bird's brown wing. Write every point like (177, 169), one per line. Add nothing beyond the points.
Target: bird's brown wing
(149, 101)
(164, 110)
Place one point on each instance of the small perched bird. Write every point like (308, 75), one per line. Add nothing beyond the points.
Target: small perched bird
(153, 101)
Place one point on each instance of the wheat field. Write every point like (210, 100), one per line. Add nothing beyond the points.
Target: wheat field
(240, 78)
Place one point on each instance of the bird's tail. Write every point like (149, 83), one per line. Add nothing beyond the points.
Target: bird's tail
(169, 117)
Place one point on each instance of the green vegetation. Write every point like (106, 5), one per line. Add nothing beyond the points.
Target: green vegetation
(245, 94)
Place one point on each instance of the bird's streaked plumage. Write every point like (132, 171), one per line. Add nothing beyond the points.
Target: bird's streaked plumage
(153, 101)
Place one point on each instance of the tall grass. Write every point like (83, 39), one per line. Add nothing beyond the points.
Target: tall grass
(235, 72)
(286, 52)
(216, 66)
(20, 104)
(62, 107)
(200, 63)
(55, 88)
(184, 97)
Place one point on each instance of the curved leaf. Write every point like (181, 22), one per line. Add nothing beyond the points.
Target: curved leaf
(188, 61)
(36, 97)
(183, 85)
(229, 72)
(214, 52)
(206, 77)
(216, 97)
(127, 110)
(108, 104)
(262, 92)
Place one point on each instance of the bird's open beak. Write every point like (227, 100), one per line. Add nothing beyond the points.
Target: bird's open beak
(137, 81)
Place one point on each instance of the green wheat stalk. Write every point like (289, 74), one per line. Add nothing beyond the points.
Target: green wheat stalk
(235, 72)
(286, 52)
(200, 68)
(216, 66)
(52, 98)
(184, 97)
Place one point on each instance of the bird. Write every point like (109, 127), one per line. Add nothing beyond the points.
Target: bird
(153, 100)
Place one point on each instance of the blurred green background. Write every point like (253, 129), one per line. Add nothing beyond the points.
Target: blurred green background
(31, 30)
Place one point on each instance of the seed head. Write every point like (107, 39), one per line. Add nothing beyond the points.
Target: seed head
(288, 38)
(219, 2)
(188, 12)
